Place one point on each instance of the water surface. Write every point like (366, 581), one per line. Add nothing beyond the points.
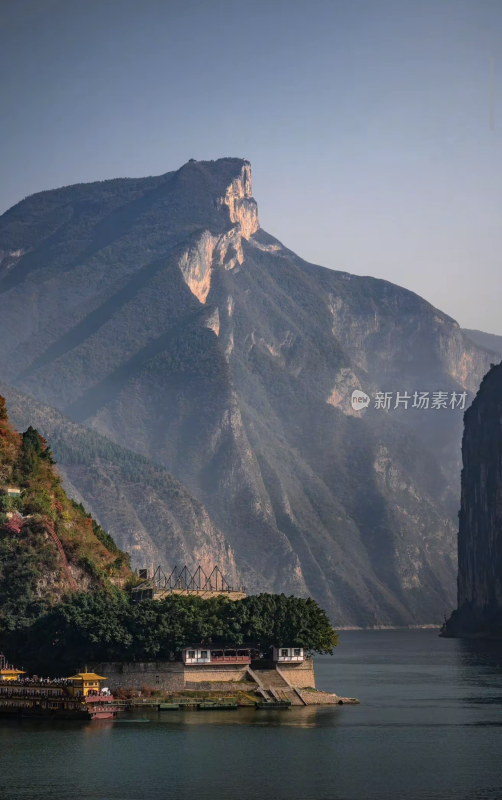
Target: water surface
(429, 727)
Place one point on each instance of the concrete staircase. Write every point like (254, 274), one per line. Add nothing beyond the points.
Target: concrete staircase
(276, 688)
(272, 679)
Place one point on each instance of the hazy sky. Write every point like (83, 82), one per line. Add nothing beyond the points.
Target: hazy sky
(366, 121)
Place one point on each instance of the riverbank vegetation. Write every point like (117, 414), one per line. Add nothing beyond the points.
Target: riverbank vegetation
(49, 545)
(106, 626)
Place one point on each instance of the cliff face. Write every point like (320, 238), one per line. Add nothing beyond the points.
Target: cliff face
(480, 521)
(158, 313)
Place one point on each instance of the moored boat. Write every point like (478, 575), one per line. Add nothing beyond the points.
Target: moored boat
(82, 696)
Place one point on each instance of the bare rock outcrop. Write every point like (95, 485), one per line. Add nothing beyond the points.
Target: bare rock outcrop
(479, 611)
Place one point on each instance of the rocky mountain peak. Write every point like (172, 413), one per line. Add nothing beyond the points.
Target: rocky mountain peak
(209, 250)
(241, 204)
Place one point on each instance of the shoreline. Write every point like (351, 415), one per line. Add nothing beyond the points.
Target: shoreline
(427, 626)
(238, 699)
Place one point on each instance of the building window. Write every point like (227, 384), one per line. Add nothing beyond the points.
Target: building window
(203, 653)
(297, 651)
(191, 654)
(284, 653)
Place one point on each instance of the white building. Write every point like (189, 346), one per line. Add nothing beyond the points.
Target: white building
(216, 654)
(287, 654)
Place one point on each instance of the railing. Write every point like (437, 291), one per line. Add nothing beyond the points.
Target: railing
(290, 658)
(98, 698)
(31, 691)
(231, 659)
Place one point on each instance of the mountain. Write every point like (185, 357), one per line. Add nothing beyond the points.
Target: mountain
(158, 313)
(137, 502)
(479, 611)
(488, 340)
(49, 545)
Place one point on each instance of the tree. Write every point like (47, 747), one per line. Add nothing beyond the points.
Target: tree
(88, 627)
(274, 619)
(106, 626)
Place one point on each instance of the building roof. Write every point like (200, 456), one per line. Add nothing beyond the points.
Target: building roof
(213, 646)
(10, 671)
(87, 676)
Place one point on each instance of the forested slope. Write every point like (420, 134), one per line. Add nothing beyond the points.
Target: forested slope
(49, 545)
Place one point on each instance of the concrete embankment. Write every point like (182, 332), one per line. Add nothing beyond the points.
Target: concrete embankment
(231, 699)
(261, 681)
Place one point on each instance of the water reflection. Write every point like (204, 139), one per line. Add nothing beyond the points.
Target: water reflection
(98, 727)
(297, 717)
(480, 654)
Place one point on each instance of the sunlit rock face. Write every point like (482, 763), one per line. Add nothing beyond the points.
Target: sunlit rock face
(242, 206)
(196, 263)
(159, 314)
(480, 521)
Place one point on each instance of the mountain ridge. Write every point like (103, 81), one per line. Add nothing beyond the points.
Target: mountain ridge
(247, 401)
(490, 341)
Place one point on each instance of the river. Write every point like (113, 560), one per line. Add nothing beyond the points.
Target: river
(429, 727)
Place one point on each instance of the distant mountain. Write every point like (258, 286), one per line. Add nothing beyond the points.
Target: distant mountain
(157, 312)
(488, 340)
(479, 611)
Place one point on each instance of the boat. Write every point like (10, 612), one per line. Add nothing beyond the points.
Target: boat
(82, 696)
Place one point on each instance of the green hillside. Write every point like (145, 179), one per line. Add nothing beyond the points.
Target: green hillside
(49, 546)
(149, 513)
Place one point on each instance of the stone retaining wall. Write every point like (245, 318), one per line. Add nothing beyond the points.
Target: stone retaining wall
(299, 675)
(173, 676)
(225, 672)
(166, 675)
(216, 686)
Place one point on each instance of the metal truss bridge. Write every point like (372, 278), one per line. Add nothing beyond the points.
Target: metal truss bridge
(184, 581)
